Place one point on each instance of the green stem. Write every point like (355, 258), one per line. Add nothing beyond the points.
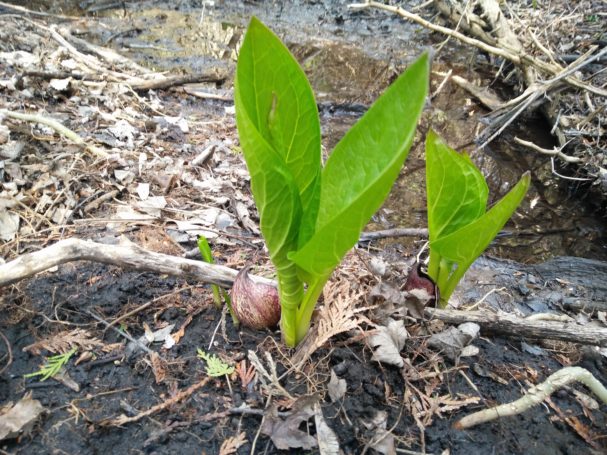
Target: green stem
(433, 266)
(452, 283)
(305, 311)
(291, 292)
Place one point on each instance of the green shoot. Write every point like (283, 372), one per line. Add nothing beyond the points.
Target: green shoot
(207, 256)
(53, 365)
(215, 366)
(311, 215)
(459, 226)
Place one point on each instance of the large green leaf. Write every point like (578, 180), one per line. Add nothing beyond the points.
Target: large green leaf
(455, 188)
(361, 170)
(273, 187)
(467, 243)
(275, 95)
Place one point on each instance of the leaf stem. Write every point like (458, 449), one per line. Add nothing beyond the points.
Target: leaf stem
(291, 292)
(304, 312)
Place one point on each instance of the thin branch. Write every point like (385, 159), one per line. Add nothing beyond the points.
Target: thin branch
(127, 254)
(535, 396)
(58, 127)
(556, 151)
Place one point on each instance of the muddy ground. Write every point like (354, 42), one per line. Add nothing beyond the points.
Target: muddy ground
(418, 403)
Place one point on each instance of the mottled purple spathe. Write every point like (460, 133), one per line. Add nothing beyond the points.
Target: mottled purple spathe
(256, 305)
(417, 281)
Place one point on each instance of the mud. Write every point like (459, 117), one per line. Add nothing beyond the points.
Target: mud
(110, 388)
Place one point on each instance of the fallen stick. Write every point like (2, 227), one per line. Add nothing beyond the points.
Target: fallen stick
(131, 256)
(179, 396)
(127, 254)
(511, 325)
(535, 396)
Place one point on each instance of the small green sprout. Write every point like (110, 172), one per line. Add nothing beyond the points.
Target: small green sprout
(53, 365)
(215, 366)
(459, 224)
(207, 256)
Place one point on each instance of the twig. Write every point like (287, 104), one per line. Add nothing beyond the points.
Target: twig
(536, 395)
(576, 179)
(511, 325)
(122, 420)
(127, 254)
(554, 152)
(120, 332)
(518, 58)
(58, 127)
(144, 306)
(21, 9)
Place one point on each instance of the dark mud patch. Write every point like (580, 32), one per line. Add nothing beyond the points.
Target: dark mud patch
(112, 384)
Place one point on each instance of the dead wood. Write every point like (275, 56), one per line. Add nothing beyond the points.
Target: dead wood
(131, 256)
(483, 24)
(127, 255)
(511, 325)
(213, 75)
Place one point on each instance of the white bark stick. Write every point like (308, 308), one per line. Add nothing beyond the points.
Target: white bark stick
(535, 396)
(127, 254)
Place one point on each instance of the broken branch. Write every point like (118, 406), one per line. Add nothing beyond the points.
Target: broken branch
(535, 396)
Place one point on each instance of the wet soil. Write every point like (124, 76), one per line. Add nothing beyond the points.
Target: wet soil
(74, 422)
(420, 412)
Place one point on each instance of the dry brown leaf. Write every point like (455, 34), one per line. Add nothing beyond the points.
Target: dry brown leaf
(328, 444)
(383, 440)
(337, 387)
(387, 342)
(246, 375)
(20, 418)
(64, 341)
(336, 316)
(231, 445)
(158, 367)
(285, 433)
(181, 332)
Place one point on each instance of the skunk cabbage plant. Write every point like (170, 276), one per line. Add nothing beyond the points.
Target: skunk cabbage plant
(310, 214)
(459, 225)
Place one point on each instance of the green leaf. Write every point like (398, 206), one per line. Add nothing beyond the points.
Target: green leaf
(53, 365)
(361, 170)
(215, 366)
(274, 95)
(467, 243)
(456, 189)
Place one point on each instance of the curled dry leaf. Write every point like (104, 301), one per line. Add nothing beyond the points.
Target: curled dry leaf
(451, 342)
(337, 387)
(9, 225)
(387, 342)
(382, 440)
(328, 444)
(20, 418)
(285, 433)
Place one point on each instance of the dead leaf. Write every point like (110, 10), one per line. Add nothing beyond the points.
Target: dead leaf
(9, 225)
(19, 419)
(453, 340)
(231, 445)
(387, 342)
(64, 341)
(383, 441)
(336, 387)
(328, 444)
(158, 367)
(285, 433)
